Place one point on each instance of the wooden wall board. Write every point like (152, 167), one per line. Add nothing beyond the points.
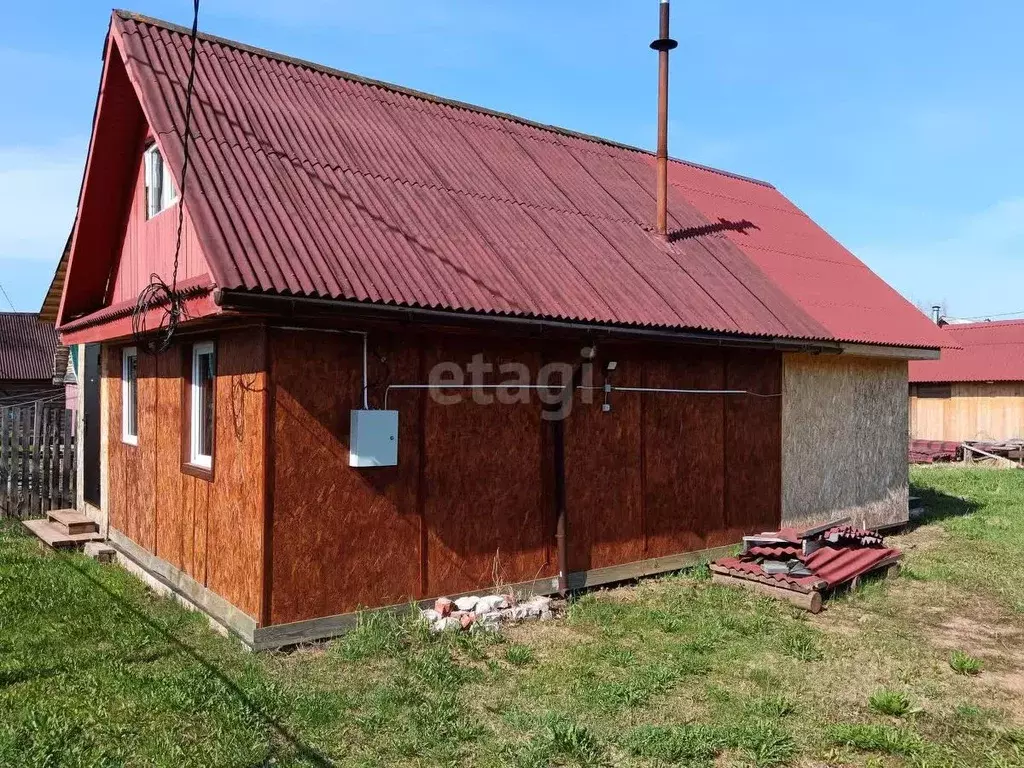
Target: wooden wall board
(471, 503)
(341, 538)
(175, 529)
(845, 425)
(974, 411)
(603, 470)
(753, 447)
(683, 451)
(487, 520)
(209, 530)
(235, 510)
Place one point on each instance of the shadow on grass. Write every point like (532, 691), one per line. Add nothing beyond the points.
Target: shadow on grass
(939, 506)
(302, 749)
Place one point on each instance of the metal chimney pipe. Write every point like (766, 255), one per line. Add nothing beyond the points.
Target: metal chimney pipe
(937, 314)
(663, 45)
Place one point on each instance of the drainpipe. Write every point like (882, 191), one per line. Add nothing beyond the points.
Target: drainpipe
(558, 449)
(663, 45)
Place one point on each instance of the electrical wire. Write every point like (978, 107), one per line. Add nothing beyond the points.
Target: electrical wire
(7, 297)
(40, 401)
(158, 295)
(987, 317)
(36, 393)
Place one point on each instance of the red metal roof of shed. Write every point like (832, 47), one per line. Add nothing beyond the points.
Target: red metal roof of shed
(314, 182)
(990, 352)
(26, 347)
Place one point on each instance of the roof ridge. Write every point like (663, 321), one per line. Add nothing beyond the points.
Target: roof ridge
(982, 324)
(423, 95)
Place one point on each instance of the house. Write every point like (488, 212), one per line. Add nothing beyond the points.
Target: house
(65, 359)
(27, 349)
(363, 265)
(975, 392)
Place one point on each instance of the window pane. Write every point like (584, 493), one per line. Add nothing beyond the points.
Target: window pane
(131, 377)
(166, 187)
(206, 405)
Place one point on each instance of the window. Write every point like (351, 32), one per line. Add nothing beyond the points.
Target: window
(130, 396)
(160, 192)
(201, 406)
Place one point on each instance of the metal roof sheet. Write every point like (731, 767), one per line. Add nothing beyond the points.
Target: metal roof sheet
(989, 352)
(26, 347)
(314, 182)
(831, 567)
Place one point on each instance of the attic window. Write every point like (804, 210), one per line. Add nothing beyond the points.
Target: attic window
(160, 193)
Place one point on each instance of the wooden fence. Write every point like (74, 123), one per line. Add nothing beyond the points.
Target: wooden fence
(37, 460)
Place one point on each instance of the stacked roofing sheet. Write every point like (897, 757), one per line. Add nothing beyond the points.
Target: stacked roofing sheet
(313, 182)
(991, 351)
(808, 561)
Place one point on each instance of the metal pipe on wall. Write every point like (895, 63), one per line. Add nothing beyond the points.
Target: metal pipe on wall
(663, 45)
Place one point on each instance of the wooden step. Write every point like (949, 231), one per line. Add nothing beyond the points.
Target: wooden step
(53, 535)
(72, 522)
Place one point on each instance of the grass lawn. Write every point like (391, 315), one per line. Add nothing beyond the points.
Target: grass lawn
(96, 671)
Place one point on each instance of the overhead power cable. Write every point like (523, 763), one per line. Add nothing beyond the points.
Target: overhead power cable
(158, 295)
(11, 303)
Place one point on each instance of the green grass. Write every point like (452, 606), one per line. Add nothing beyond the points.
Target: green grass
(894, 703)
(965, 664)
(96, 671)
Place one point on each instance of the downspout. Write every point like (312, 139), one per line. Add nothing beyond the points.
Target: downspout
(558, 467)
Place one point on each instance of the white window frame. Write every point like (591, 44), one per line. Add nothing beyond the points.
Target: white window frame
(197, 459)
(128, 398)
(156, 173)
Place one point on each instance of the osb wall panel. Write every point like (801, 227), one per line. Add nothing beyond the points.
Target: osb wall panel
(471, 503)
(753, 447)
(342, 538)
(210, 530)
(684, 453)
(974, 411)
(484, 509)
(845, 425)
(603, 472)
(235, 512)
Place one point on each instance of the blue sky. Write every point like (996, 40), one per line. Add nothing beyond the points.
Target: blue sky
(897, 126)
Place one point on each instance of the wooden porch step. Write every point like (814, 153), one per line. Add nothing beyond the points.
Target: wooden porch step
(53, 535)
(72, 522)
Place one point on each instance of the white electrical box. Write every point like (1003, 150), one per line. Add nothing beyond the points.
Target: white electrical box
(373, 439)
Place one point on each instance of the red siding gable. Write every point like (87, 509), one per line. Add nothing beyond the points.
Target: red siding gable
(148, 247)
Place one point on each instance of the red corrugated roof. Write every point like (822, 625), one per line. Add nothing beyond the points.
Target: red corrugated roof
(26, 347)
(832, 566)
(989, 352)
(313, 182)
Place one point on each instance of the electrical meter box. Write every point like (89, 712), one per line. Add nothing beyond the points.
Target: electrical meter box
(373, 439)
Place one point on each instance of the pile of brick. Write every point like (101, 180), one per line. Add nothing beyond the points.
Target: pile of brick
(487, 612)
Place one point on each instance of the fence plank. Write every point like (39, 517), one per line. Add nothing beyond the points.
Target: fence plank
(37, 460)
(36, 496)
(53, 480)
(24, 422)
(6, 429)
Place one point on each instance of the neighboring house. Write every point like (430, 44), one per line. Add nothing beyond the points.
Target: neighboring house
(27, 349)
(65, 359)
(972, 393)
(346, 241)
